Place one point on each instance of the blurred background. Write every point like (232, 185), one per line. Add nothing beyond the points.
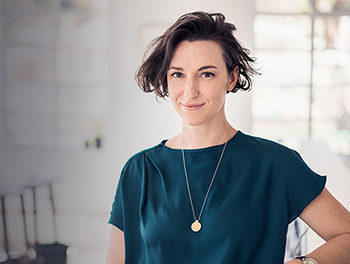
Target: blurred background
(71, 113)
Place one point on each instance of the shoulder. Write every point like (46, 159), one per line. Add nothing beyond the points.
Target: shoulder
(278, 158)
(137, 160)
(267, 148)
(283, 160)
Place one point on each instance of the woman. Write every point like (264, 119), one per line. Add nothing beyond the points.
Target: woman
(169, 209)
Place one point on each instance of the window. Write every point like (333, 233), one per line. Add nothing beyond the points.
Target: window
(56, 73)
(303, 49)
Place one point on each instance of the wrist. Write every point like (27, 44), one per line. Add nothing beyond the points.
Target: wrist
(298, 261)
(295, 261)
(305, 260)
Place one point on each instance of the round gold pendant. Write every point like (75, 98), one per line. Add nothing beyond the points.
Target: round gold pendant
(196, 226)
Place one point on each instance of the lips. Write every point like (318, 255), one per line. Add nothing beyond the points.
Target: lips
(192, 106)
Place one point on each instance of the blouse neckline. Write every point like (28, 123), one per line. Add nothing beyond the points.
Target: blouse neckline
(234, 138)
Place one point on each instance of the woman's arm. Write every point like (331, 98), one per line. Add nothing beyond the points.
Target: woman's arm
(116, 247)
(331, 221)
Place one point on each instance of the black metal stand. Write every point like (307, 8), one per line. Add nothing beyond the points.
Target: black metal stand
(6, 240)
(53, 253)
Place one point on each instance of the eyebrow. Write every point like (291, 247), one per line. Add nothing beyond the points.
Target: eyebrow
(200, 69)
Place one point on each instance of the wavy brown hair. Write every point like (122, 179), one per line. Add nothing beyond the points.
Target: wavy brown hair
(152, 74)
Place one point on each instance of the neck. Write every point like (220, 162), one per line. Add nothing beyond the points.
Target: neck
(194, 137)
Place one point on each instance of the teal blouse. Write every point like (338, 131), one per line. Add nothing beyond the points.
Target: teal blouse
(260, 187)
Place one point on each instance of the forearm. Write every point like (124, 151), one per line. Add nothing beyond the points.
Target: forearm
(335, 250)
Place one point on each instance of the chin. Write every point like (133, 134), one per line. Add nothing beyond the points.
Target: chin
(193, 121)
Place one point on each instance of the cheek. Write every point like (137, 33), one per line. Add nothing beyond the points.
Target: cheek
(172, 95)
(171, 92)
(173, 89)
(217, 91)
(218, 99)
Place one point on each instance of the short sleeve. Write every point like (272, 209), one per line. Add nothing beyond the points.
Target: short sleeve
(303, 184)
(116, 215)
(126, 205)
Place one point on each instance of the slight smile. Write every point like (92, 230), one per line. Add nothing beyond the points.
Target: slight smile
(192, 106)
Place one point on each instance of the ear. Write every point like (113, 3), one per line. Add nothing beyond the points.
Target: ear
(233, 78)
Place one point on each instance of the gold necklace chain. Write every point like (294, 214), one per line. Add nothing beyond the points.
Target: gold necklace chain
(196, 225)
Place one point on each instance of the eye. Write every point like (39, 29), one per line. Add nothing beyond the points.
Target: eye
(207, 74)
(177, 74)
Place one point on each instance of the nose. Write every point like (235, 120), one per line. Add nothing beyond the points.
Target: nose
(191, 89)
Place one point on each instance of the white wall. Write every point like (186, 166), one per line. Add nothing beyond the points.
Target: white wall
(88, 179)
(1, 69)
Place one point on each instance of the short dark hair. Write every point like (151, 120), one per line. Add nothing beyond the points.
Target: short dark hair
(152, 74)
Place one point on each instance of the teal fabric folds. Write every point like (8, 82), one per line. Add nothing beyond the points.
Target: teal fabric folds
(260, 187)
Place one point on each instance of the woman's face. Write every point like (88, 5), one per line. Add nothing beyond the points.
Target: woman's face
(198, 80)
